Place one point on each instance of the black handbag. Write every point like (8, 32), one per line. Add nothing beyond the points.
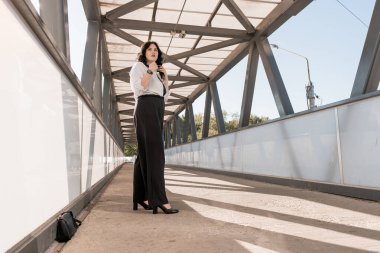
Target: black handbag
(66, 226)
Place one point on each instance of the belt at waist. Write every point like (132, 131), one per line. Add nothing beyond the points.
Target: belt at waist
(150, 95)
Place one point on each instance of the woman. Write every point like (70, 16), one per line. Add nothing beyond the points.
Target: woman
(149, 82)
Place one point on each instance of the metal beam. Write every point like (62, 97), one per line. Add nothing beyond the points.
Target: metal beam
(277, 86)
(153, 18)
(98, 77)
(207, 113)
(169, 135)
(178, 129)
(193, 128)
(186, 126)
(106, 98)
(249, 86)
(129, 94)
(125, 78)
(131, 120)
(201, 87)
(232, 59)
(121, 71)
(169, 112)
(180, 102)
(174, 131)
(90, 58)
(278, 16)
(168, 27)
(236, 11)
(185, 67)
(125, 99)
(165, 132)
(122, 78)
(126, 112)
(208, 48)
(178, 96)
(185, 79)
(127, 103)
(138, 43)
(180, 85)
(368, 73)
(91, 9)
(217, 108)
(55, 16)
(127, 8)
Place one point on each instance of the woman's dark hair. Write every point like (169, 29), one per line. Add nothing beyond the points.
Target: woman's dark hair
(142, 57)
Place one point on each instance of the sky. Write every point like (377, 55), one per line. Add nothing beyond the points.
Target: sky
(327, 34)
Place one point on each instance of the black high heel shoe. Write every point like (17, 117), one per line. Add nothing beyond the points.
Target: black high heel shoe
(165, 210)
(145, 206)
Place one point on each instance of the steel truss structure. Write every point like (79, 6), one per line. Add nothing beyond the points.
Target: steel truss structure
(201, 42)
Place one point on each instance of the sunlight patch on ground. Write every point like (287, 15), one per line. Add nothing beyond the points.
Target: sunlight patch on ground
(285, 227)
(195, 184)
(205, 180)
(254, 248)
(281, 204)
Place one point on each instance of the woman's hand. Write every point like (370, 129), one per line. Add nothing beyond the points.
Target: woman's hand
(166, 78)
(163, 70)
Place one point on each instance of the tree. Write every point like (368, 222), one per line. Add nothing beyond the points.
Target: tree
(130, 149)
(231, 123)
(253, 119)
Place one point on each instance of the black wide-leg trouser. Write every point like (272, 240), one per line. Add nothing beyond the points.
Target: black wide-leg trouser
(148, 177)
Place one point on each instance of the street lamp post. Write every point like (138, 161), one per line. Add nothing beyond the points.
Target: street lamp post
(310, 94)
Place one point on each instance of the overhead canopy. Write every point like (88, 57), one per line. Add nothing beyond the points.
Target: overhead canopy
(201, 41)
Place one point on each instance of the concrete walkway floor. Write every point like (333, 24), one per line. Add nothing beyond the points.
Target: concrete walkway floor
(225, 214)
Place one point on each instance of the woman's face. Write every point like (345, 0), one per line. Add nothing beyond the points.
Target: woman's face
(151, 53)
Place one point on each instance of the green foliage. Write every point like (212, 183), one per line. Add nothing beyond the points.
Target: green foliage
(254, 120)
(231, 122)
(130, 149)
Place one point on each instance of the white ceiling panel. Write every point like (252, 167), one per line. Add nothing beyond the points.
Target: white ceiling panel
(144, 14)
(187, 18)
(224, 21)
(201, 5)
(167, 16)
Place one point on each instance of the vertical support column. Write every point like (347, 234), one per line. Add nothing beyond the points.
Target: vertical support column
(98, 78)
(276, 83)
(165, 138)
(368, 73)
(169, 134)
(90, 58)
(186, 126)
(179, 128)
(166, 133)
(106, 98)
(207, 113)
(55, 16)
(174, 130)
(114, 120)
(110, 112)
(249, 86)
(217, 108)
(112, 105)
(193, 128)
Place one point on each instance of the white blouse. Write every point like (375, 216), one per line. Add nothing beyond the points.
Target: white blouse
(155, 85)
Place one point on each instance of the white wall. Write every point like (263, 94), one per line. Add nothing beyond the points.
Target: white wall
(52, 147)
(338, 145)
